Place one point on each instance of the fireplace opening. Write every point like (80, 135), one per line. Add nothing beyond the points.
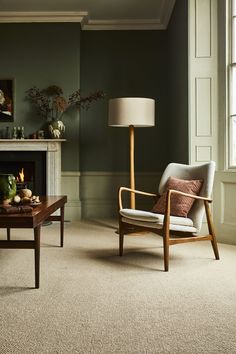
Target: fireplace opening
(28, 167)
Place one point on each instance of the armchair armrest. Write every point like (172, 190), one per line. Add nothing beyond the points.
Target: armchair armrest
(122, 189)
(189, 195)
(166, 221)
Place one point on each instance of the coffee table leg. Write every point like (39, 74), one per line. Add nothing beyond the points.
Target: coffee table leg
(62, 225)
(8, 234)
(37, 230)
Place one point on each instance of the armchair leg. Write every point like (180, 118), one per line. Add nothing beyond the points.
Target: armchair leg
(121, 236)
(8, 234)
(121, 243)
(166, 254)
(211, 230)
(215, 248)
(213, 241)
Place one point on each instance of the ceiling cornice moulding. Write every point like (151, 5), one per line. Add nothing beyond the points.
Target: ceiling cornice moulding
(167, 9)
(43, 16)
(109, 25)
(137, 24)
(87, 23)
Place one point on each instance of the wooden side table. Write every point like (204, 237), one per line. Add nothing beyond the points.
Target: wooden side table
(34, 220)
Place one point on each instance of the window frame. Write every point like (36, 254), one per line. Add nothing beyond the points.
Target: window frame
(231, 66)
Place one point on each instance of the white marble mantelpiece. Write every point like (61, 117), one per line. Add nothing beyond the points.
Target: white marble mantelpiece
(52, 147)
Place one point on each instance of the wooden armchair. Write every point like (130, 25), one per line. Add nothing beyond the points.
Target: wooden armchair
(174, 229)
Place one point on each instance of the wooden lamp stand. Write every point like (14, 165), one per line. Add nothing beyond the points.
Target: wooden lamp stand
(132, 177)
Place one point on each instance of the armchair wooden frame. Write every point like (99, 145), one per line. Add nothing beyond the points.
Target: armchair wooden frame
(165, 232)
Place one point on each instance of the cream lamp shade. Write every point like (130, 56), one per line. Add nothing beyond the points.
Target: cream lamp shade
(135, 111)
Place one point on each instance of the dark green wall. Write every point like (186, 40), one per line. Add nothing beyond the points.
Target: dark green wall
(123, 63)
(137, 63)
(177, 35)
(42, 55)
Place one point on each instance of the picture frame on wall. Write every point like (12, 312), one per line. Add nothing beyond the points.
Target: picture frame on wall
(6, 100)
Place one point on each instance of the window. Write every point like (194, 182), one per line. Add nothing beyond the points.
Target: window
(232, 85)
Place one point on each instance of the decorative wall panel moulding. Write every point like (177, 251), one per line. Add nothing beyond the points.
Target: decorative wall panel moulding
(70, 186)
(43, 16)
(203, 153)
(203, 32)
(203, 80)
(228, 193)
(83, 194)
(203, 106)
(224, 206)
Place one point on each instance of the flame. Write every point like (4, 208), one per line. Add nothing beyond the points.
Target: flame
(21, 176)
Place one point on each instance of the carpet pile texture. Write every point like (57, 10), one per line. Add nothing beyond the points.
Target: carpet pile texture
(91, 300)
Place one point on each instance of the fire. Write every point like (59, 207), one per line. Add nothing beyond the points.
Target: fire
(21, 176)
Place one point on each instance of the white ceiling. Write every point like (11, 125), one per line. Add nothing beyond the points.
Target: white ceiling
(93, 14)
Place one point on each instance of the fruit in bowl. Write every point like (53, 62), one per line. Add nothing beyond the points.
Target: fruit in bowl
(17, 199)
(25, 193)
(25, 197)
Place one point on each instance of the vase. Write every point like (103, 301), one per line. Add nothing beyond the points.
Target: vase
(56, 129)
(7, 188)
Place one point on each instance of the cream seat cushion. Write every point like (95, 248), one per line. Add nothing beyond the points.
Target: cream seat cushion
(149, 219)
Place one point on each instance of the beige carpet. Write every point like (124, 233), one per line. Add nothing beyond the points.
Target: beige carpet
(92, 301)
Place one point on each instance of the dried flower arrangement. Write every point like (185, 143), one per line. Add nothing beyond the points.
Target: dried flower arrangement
(51, 104)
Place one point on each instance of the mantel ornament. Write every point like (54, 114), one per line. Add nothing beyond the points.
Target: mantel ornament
(51, 105)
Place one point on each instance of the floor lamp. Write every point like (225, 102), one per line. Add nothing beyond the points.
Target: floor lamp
(131, 112)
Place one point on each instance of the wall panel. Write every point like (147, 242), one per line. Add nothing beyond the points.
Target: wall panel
(225, 206)
(203, 104)
(93, 194)
(203, 81)
(203, 33)
(203, 153)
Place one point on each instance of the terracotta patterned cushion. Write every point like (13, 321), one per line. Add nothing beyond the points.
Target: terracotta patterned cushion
(179, 205)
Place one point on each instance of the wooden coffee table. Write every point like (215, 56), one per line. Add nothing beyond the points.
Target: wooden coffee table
(34, 220)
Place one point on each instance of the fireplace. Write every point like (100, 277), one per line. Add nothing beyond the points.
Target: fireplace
(48, 151)
(29, 168)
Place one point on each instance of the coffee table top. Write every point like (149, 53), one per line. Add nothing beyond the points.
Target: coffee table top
(40, 212)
